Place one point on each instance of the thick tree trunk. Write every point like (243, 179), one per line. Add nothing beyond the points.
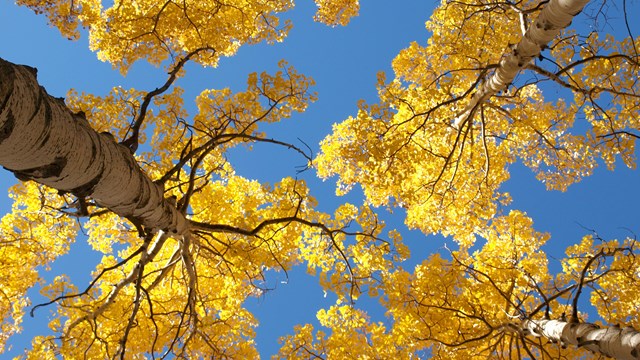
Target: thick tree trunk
(43, 141)
(555, 16)
(616, 342)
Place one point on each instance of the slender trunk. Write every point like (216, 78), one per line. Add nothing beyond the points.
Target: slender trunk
(616, 342)
(43, 141)
(555, 16)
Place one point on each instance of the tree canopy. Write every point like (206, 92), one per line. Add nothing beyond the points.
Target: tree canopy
(185, 240)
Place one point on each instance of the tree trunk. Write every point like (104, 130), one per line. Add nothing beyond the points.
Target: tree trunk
(555, 16)
(616, 342)
(43, 141)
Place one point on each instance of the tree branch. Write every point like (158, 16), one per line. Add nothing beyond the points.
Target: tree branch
(132, 141)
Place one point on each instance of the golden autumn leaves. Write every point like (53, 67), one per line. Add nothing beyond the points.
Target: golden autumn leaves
(403, 151)
(31, 236)
(128, 31)
(407, 150)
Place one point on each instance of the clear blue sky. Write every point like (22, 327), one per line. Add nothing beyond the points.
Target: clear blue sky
(344, 62)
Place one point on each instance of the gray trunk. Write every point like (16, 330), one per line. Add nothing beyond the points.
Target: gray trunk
(43, 141)
(616, 342)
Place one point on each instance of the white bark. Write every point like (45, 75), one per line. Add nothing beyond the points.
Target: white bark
(554, 17)
(615, 342)
(43, 141)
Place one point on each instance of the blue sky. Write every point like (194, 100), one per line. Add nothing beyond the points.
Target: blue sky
(344, 62)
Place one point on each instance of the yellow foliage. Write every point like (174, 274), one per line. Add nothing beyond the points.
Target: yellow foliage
(336, 12)
(409, 150)
(352, 336)
(32, 236)
(128, 31)
(156, 295)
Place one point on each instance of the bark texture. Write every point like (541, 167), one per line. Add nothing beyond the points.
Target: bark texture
(554, 17)
(615, 342)
(43, 141)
